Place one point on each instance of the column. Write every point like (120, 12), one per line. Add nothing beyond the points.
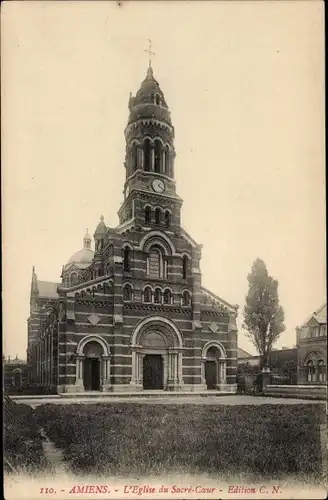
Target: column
(175, 368)
(140, 368)
(134, 368)
(152, 158)
(163, 160)
(223, 365)
(169, 369)
(79, 372)
(105, 383)
(141, 158)
(180, 379)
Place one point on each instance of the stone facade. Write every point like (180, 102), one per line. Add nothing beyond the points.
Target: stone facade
(133, 314)
(15, 374)
(312, 349)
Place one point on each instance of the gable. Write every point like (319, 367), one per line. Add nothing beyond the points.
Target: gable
(320, 315)
(210, 298)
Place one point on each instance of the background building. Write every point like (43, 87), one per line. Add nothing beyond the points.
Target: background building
(282, 363)
(133, 314)
(15, 374)
(312, 348)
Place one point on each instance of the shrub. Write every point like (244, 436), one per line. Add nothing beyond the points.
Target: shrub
(22, 440)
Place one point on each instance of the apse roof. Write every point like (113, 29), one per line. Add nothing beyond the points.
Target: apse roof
(48, 289)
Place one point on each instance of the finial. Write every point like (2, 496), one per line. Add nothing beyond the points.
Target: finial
(33, 270)
(102, 218)
(150, 53)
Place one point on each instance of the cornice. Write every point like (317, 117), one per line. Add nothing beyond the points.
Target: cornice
(148, 121)
(158, 307)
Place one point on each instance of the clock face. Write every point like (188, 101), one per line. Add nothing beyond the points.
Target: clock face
(158, 185)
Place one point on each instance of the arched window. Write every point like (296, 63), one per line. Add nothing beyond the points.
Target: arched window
(126, 259)
(167, 218)
(134, 156)
(167, 297)
(184, 267)
(157, 215)
(147, 215)
(157, 296)
(158, 156)
(155, 263)
(147, 155)
(158, 99)
(73, 279)
(147, 294)
(127, 293)
(321, 371)
(186, 299)
(311, 371)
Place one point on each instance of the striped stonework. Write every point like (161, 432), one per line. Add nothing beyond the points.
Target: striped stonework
(132, 315)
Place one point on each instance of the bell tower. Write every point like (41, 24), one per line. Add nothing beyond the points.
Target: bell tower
(150, 197)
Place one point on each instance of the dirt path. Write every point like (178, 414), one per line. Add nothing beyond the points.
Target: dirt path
(54, 456)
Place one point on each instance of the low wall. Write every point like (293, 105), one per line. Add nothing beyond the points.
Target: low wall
(297, 391)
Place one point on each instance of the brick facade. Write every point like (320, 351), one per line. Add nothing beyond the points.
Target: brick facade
(134, 314)
(312, 349)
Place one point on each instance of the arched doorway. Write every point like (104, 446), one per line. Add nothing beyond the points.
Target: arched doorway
(153, 366)
(91, 369)
(17, 378)
(156, 355)
(93, 364)
(213, 366)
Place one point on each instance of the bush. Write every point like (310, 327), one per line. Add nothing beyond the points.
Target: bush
(31, 390)
(128, 439)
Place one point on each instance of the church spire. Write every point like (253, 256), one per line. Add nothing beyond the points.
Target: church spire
(34, 283)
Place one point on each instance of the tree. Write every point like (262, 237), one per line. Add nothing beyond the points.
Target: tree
(263, 316)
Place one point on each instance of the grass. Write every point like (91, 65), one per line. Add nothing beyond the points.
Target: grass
(266, 441)
(22, 441)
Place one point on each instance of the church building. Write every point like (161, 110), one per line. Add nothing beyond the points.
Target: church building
(132, 315)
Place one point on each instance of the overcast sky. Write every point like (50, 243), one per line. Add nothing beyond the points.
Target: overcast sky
(245, 85)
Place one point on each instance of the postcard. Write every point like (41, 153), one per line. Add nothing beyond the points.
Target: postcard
(164, 292)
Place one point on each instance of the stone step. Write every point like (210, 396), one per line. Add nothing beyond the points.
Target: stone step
(143, 394)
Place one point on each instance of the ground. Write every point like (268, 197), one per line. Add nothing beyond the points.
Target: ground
(228, 438)
(222, 400)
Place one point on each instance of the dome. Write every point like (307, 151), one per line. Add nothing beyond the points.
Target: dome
(84, 256)
(149, 102)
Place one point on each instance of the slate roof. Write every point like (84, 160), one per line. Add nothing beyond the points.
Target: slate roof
(320, 315)
(48, 289)
(243, 354)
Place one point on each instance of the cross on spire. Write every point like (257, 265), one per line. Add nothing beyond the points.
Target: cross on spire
(149, 52)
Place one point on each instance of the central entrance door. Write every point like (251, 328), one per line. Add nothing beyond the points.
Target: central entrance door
(91, 375)
(153, 371)
(211, 374)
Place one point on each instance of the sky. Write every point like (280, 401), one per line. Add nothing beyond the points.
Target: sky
(245, 85)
